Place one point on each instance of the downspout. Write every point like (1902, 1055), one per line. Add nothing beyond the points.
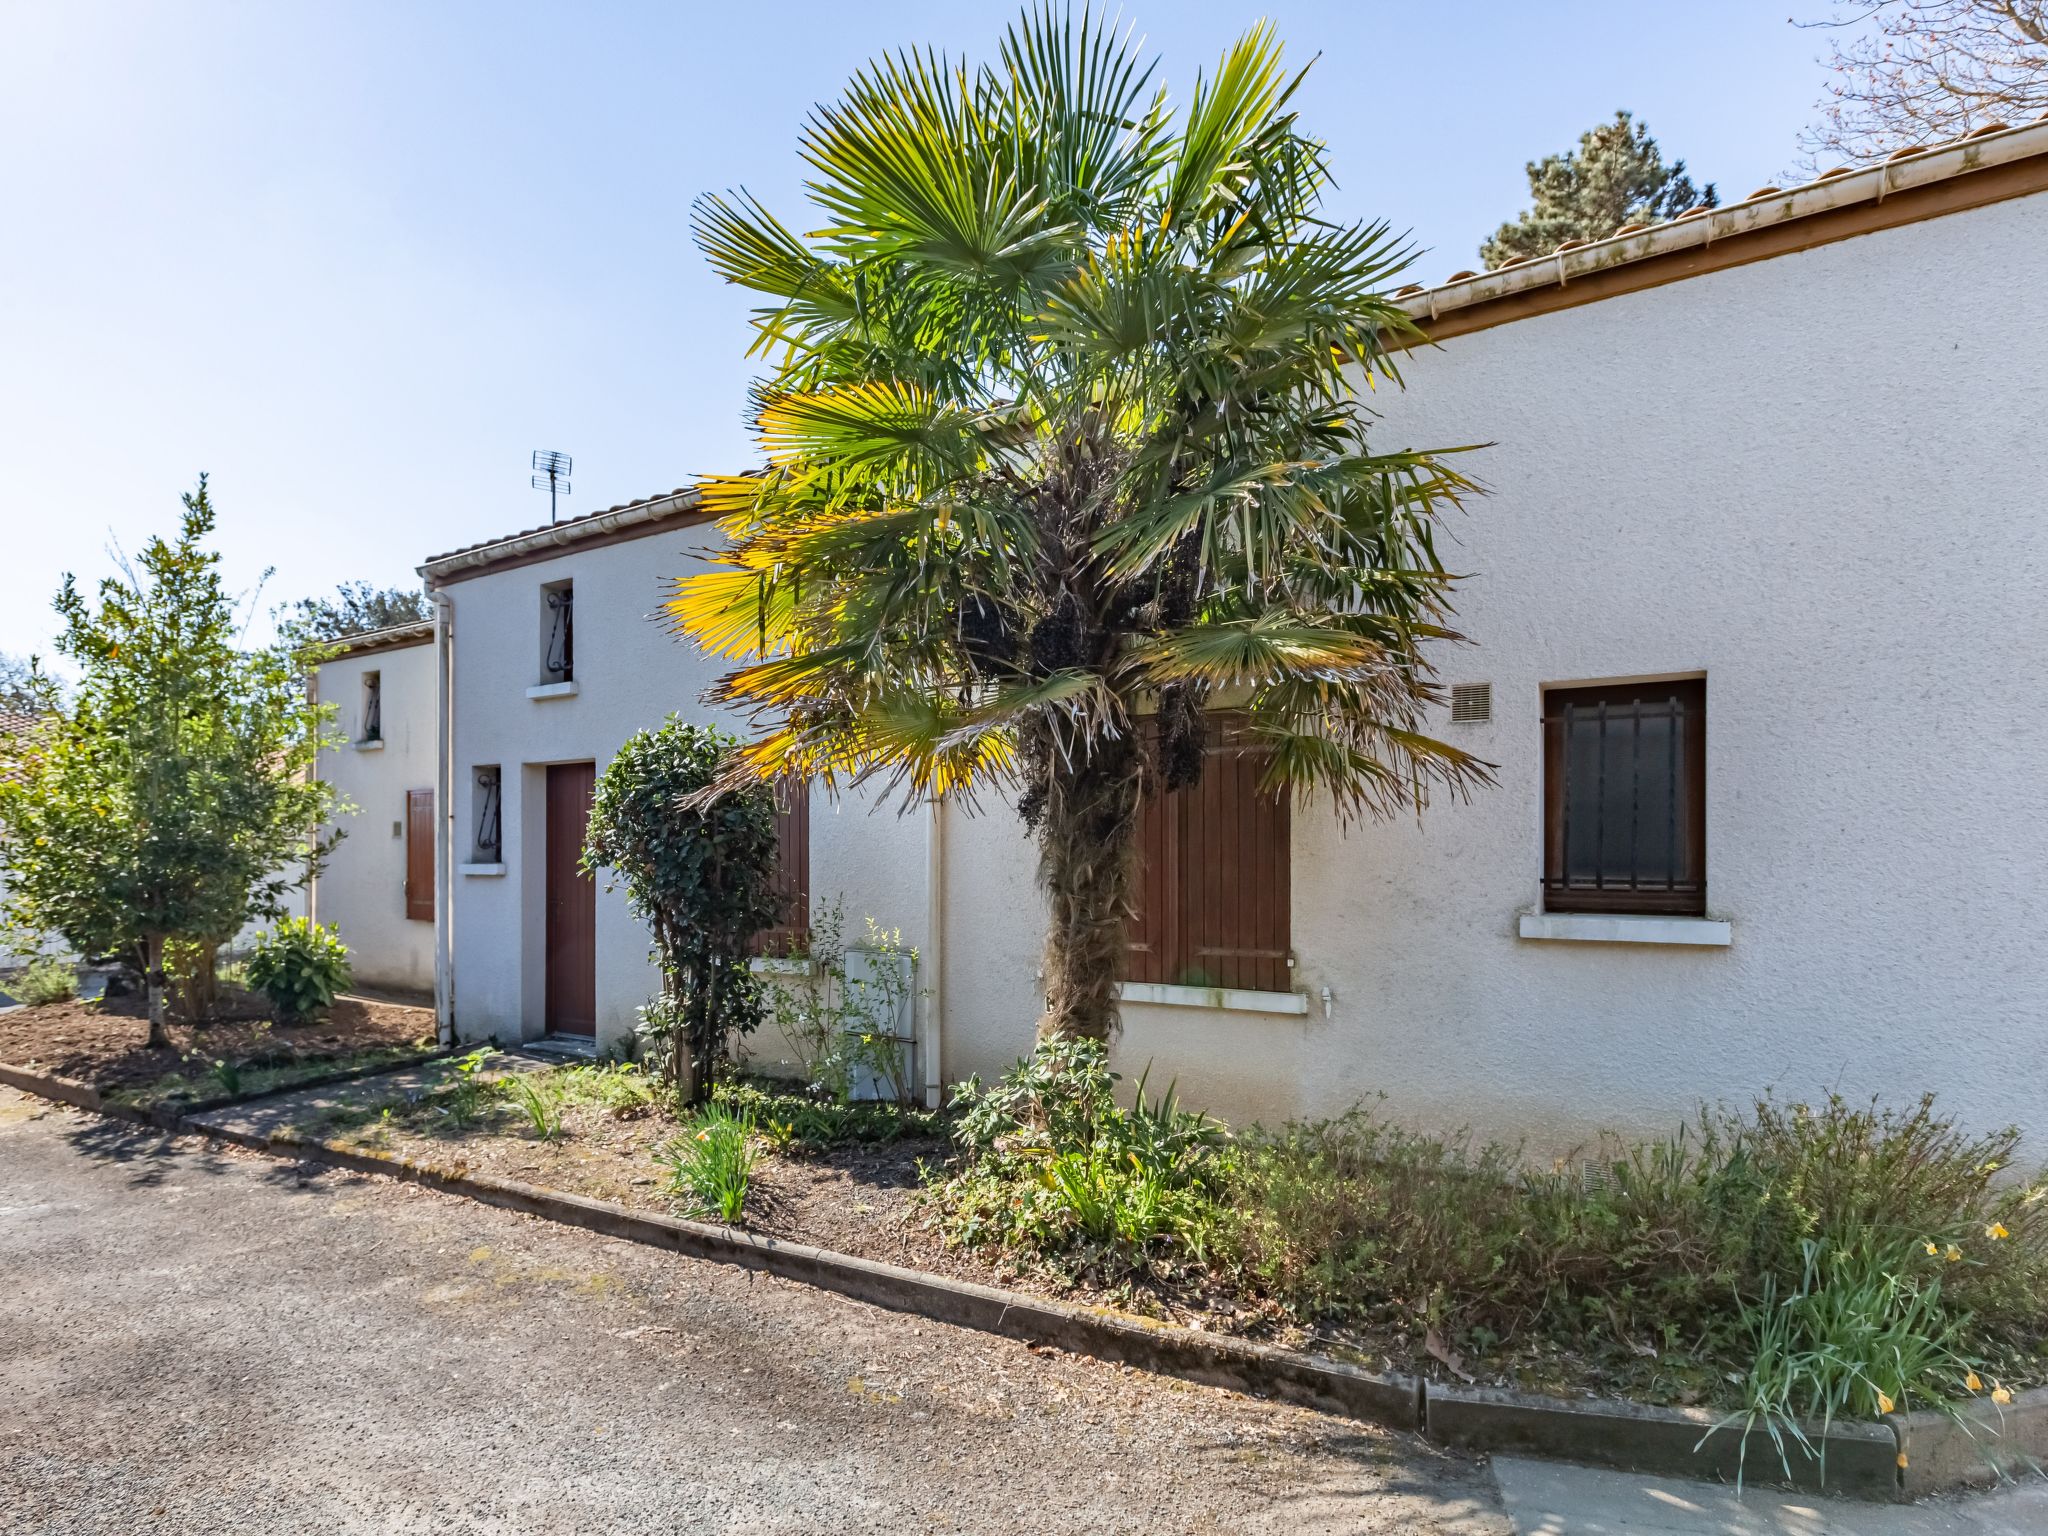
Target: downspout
(444, 822)
(313, 873)
(935, 952)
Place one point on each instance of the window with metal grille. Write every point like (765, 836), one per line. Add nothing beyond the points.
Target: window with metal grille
(558, 632)
(373, 707)
(792, 930)
(487, 801)
(1213, 876)
(1624, 798)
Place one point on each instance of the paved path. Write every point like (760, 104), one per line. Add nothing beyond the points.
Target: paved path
(196, 1341)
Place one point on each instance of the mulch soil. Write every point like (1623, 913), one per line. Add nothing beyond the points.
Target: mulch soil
(103, 1043)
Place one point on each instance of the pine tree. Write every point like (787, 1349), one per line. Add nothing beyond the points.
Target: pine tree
(1616, 176)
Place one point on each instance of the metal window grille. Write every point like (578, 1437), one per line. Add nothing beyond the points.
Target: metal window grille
(560, 660)
(1625, 798)
(489, 818)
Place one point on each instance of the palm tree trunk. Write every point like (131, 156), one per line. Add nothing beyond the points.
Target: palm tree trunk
(1087, 863)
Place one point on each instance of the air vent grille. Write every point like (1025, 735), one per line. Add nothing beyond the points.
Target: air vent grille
(1471, 703)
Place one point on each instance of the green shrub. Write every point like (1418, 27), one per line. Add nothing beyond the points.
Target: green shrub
(50, 979)
(712, 1162)
(300, 966)
(801, 1121)
(1051, 1162)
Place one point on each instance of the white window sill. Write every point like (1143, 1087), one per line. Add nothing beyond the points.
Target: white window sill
(1592, 928)
(1228, 999)
(480, 869)
(372, 744)
(552, 691)
(768, 965)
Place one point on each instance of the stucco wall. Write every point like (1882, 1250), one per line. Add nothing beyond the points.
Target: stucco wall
(1820, 480)
(630, 674)
(361, 892)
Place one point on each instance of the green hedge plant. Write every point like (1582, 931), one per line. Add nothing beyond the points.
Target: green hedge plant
(300, 966)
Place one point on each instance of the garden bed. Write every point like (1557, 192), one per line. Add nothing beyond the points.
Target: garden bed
(103, 1044)
(1264, 1254)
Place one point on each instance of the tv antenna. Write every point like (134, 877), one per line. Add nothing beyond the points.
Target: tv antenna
(551, 474)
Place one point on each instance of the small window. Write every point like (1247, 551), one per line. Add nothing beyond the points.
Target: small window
(792, 929)
(487, 806)
(558, 632)
(1624, 798)
(373, 707)
(1213, 894)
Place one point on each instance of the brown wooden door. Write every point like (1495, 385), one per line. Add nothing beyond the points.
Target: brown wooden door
(572, 904)
(419, 855)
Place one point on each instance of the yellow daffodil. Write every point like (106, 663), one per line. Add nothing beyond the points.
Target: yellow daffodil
(1996, 1232)
(1953, 1254)
(2001, 1395)
(1902, 1461)
(1931, 1249)
(1973, 1383)
(1885, 1403)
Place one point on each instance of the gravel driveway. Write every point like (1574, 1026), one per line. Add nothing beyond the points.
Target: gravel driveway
(195, 1340)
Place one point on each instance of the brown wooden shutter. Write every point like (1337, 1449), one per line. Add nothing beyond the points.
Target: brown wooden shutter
(1213, 889)
(792, 872)
(419, 855)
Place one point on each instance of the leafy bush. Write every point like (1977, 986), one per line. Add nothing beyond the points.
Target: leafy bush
(712, 1161)
(1050, 1161)
(46, 980)
(300, 966)
(702, 878)
(805, 1122)
(843, 1025)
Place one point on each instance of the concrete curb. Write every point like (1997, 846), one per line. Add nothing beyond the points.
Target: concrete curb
(1862, 1460)
(1991, 1444)
(172, 1114)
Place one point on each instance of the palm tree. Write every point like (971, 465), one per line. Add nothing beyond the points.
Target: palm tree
(1065, 454)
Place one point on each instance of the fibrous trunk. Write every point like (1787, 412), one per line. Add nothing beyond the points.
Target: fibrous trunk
(1087, 858)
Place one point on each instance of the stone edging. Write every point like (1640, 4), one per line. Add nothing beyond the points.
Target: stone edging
(172, 1115)
(1862, 1460)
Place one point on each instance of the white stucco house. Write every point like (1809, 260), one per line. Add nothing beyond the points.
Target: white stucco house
(1760, 604)
(377, 889)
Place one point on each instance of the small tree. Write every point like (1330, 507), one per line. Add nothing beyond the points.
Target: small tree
(701, 878)
(168, 797)
(1919, 71)
(1616, 176)
(18, 686)
(355, 609)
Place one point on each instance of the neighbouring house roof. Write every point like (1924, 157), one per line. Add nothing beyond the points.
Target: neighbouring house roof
(15, 722)
(630, 520)
(1987, 165)
(391, 638)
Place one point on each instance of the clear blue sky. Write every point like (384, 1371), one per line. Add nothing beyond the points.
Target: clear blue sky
(358, 259)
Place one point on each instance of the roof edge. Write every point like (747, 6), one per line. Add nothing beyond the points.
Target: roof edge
(1764, 212)
(633, 520)
(390, 638)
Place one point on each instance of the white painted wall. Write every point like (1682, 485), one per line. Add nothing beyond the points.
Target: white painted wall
(1818, 479)
(630, 674)
(361, 892)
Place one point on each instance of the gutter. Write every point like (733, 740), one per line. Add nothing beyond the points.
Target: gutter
(444, 820)
(1835, 190)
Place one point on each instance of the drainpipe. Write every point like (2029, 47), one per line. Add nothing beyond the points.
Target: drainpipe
(444, 823)
(935, 951)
